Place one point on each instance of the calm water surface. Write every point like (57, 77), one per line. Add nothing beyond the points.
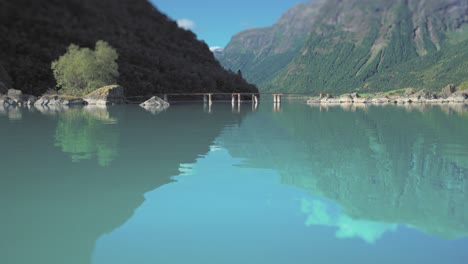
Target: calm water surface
(190, 184)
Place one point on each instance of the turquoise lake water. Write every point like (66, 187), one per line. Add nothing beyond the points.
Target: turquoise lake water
(298, 184)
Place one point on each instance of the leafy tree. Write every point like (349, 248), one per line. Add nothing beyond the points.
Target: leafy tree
(81, 70)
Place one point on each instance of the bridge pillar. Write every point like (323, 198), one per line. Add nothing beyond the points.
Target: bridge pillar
(209, 99)
(165, 98)
(238, 97)
(233, 99)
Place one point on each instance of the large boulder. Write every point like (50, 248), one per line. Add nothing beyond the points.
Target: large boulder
(15, 94)
(155, 102)
(7, 101)
(58, 100)
(448, 90)
(347, 98)
(112, 94)
(425, 94)
(19, 98)
(361, 100)
(458, 97)
(313, 100)
(409, 92)
(381, 100)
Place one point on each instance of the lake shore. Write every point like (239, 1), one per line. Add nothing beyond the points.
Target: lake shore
(408, 96)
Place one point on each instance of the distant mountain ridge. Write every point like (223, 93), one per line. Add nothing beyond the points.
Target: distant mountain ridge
(356, 45)
(155, 55)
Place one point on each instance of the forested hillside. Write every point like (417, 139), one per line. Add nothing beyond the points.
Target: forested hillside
(361, 45)
(155, 55)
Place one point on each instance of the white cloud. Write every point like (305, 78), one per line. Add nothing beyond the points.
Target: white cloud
(186, 24)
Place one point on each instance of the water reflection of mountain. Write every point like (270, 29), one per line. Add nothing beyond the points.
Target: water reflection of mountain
(385, 165)
(53, 210)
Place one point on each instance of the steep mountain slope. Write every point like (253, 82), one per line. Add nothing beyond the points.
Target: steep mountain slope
(361, 45)
(155, 55)
(261, 53)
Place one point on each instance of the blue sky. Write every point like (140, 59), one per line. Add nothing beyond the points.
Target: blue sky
(216, 22)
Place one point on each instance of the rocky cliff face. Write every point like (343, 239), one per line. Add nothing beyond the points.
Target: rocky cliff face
(263, 52)
(155, 55)
(358, 45)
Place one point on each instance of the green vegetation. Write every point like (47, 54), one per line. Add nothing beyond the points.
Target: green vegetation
(463, 86)
(81, 70)
(374, 46)
(86, 135)
(155, 55)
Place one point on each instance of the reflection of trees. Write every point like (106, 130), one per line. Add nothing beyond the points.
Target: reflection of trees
(87, 133)
(387, 165)
(54, 212)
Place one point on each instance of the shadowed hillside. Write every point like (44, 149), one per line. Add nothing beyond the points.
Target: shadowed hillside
(155, 55)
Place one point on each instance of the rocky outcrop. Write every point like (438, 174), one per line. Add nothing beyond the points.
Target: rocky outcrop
(155, 55)
(47, 100)
(448, 90)
(410, 96)
(458, 97)
(155, 102)
(155, 105)
(112, 94)
(16, 97)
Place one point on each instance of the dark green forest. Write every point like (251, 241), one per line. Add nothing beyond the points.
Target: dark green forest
(155, 55)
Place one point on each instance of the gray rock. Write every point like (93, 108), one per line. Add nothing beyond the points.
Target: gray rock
(403, 100)
(415, 98)
(448, 90)
(347, 98)
(43, 101)
(409, 92)
(361, 100)
(380, 100)
(331, 101)
(436, 101)
(424, 94)
(112, 94)
(155, 102)
(15, 94)
(7, 101)
(313, 100)
(58, 101)
(458, 97)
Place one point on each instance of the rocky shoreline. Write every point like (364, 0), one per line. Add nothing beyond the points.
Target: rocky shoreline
(449, 94)
(113, 94)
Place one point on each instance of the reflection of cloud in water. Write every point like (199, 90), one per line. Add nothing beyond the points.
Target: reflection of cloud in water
(319, 213)
(86, 133)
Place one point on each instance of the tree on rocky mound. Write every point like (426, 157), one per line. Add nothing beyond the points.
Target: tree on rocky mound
(82, 70)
